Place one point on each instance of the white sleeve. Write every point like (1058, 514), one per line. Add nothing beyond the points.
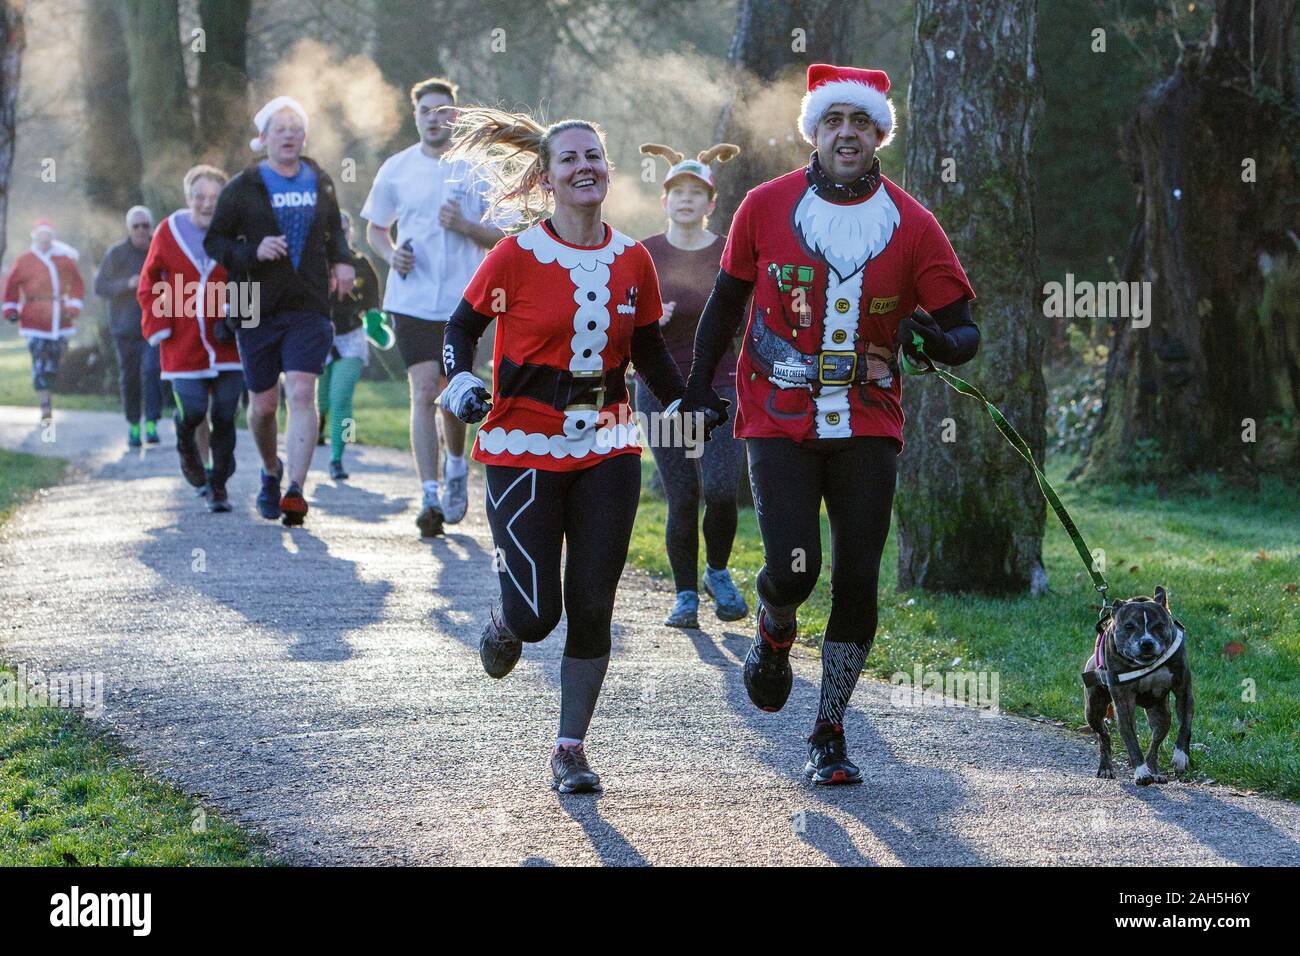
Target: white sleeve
(380, 207)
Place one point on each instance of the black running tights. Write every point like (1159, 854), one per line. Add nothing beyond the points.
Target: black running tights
(855, 477)
(589, 513)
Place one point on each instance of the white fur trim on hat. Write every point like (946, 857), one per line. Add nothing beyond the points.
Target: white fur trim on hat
(817, 102)
(264, 115)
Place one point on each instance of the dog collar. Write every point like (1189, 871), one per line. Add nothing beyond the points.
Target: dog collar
(1124, 677)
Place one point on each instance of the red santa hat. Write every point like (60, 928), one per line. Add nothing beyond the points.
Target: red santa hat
(42, 225)
(263, 118)
(865, 89)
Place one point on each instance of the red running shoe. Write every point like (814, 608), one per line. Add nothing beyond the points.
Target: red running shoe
(293, 508)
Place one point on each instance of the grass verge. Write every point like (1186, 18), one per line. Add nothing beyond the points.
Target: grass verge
(69, 794)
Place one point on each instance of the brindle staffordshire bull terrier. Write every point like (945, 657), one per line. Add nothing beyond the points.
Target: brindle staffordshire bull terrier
(1140, 657)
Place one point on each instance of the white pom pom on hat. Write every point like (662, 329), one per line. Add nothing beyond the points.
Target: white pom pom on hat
(264, 115)
(865, 89)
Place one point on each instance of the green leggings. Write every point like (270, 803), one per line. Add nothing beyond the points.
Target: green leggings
(334, 395)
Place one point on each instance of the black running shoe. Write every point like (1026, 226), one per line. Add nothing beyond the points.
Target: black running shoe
(570, 772)
(828, 757)
(337, 471)
(218, 500)
(430, 521)
(498, 649)
(768, 676)
(268, 499)
(192, 465)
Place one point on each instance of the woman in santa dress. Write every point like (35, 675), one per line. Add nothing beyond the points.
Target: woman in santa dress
(574, 301)
(182, 301)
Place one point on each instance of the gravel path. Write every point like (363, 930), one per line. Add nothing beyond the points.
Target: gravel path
(323, 687)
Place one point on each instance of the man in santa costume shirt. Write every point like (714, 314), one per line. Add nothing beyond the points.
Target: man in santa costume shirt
(837, 258)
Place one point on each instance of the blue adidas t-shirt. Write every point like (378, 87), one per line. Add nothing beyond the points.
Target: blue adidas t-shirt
(294, 200)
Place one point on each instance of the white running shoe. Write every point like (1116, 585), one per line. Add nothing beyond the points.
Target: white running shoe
(455, 498)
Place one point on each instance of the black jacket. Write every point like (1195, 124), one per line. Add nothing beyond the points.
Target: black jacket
(244, 218)
(122, 263)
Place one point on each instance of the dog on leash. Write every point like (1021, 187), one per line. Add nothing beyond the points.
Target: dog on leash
(1139, 659)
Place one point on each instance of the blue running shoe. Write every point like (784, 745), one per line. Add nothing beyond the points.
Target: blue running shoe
(685, 612)
(719, 586)
(268, 499)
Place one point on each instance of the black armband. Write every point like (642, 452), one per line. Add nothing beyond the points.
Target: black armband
(655, 364)
(460, 339)
(963, 334)
(719, 323)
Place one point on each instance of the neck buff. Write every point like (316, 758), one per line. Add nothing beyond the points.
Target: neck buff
(832, 191)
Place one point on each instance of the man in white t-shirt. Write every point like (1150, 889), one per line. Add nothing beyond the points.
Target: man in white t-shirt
(439, 207)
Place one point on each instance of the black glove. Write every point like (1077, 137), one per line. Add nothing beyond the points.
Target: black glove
(708, 402)
(938, 345)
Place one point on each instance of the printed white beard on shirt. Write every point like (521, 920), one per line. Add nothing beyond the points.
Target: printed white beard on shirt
(847, 236)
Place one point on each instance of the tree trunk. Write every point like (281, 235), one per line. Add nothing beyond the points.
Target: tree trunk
(1213, 382)
(223, 82)
(13, 37)
(160, 102)
(769, 61)
(406, 51)
(111, 185)
(970, 515)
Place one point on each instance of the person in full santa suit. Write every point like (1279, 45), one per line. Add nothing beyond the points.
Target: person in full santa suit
(182, 295)
(837, 258)
(43, 294)
(574, 300)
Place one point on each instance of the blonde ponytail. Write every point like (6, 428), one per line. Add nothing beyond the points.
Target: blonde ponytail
(512, 150)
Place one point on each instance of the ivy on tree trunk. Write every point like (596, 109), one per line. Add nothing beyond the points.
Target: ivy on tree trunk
(1210, 378)
(160, 99)
(970, 514)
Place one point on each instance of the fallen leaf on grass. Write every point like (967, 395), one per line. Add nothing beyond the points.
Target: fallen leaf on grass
(1233, 648)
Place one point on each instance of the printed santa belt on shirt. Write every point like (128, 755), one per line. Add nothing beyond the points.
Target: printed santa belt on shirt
(579, 439)
(560, 388)
(832, 367)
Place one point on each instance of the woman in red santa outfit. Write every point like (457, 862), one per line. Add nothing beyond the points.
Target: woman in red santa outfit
(574, 301)
(837, 258)
(43, 295)
(182, 301)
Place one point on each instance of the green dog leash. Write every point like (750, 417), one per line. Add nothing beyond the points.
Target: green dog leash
(1018, 443)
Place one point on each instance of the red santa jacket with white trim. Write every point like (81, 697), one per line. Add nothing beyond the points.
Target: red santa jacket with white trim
(44, 292)
(182, 296)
